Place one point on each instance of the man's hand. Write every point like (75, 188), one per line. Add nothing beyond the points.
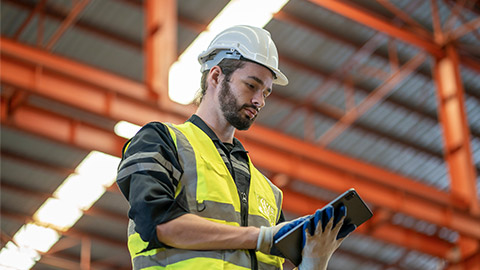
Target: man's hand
(268, 235)
(322, 238)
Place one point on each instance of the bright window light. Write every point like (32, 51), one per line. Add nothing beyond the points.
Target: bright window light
(58, 214)
(19, 258)
(80, 191)
(125, 129)
(99, 167)
(36, 237)
(184, 75)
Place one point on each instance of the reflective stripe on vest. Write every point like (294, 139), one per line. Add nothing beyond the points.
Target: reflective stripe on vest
(212, 194)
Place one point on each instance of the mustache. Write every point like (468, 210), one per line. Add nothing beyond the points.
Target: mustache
(256, 108)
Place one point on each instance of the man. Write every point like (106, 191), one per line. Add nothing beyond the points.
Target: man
(196, 199)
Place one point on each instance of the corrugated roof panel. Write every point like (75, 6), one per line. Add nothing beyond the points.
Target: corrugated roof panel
(11, 19)
(330, 91)
(114, 202)
(373, 71)
(322, 124)
(326, 19)
(313, 190)
(418, 91)
(18, 202)
(353, 142)
(200, 11)
(110, 228)
(73, 113)
(30, 33)
(34, 178)
(472, 108)
(300, 83)
(422, 11)
(312, 84)
(367, 246)
(296, 129)
(416, 260)
(60, 4)
(334, 96)
(122, 18)
(273, 113)
(390, 155)
(185, 36)
(37, 148)
(9, 224)
(101, 53)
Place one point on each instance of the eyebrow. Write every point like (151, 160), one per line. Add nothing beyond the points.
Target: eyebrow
(258, 80)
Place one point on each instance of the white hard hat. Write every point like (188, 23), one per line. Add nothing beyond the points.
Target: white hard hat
(249, 42)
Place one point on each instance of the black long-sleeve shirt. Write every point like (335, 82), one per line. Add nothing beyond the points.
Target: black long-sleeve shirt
(151, 193)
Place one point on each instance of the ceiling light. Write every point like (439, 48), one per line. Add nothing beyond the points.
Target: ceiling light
(125, 129)
(184, 75)
(57, 214)
(36, 237)
(99, 167)
(79, 191)
(18, 258)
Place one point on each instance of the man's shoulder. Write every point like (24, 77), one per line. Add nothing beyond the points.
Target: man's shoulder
(151, 135)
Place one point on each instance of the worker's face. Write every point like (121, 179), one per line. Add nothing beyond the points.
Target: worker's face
(242, 97)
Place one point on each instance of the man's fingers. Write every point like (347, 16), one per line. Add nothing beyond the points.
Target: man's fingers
(346, 231)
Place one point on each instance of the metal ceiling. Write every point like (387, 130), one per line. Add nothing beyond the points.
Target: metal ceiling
(361, 110)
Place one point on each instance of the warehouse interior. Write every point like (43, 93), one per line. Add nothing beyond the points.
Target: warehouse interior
(384, 97)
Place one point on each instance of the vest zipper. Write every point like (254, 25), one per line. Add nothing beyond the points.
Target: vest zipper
(244, 208)
(244, 213)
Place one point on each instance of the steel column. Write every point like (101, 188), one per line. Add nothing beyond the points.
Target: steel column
(456, 134)
(160, 44)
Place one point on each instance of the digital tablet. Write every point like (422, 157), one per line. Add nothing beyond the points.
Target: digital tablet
(290, 244)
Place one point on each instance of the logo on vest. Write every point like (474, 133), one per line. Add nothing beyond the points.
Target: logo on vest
(266, 209)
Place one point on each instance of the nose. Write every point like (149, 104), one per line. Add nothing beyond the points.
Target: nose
(258, 99)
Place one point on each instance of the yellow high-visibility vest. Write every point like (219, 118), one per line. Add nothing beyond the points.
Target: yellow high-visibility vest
(211, 194)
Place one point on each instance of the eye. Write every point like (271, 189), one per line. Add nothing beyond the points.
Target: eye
(266, 93)
(251, 86)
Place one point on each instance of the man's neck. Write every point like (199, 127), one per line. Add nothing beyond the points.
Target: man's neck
(218, 124)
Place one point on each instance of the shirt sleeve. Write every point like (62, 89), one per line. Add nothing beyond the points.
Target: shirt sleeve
(148, 176)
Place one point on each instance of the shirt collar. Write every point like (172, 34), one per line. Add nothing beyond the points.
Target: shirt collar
(197, 121)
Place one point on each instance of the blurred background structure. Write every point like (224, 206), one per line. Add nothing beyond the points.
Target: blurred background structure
(384, 96)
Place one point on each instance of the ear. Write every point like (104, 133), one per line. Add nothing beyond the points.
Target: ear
(215, 75)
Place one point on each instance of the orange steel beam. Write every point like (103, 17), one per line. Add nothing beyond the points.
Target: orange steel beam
(160, 44)
(120, 107)
(63, 129)
(373, 21)
(456, 134)
(82, 86)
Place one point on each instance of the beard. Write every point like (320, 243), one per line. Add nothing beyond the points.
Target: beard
(232, 111)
